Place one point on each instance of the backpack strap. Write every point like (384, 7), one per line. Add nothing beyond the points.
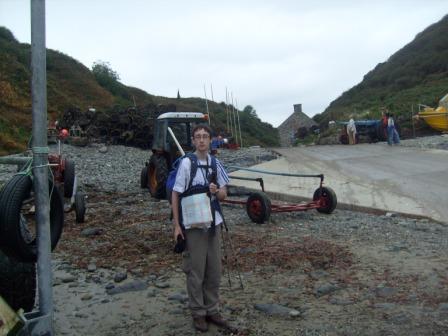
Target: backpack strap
(193, 168)
(214, 168)
(215, 206)
(214, 200)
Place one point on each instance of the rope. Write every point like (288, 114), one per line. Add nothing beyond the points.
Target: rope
(28, 167)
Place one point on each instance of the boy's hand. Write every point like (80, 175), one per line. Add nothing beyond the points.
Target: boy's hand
(213, 188)
(178, 231)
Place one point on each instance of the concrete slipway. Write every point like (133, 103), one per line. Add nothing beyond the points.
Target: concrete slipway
(407, 180)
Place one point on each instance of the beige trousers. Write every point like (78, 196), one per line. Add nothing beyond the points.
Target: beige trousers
(351, 137)
(202, 266)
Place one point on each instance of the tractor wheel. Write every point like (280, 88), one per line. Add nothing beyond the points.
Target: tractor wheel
(18, 218)
(328, 199)
(80, 207)
(258, 207)
(17, 283)
(144, 178)
(158, 174)
(69, 178)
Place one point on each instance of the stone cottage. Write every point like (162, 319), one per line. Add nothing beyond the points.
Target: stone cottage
(290, 126)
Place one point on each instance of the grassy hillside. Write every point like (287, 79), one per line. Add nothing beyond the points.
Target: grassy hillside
(416, 74)
(70, 84)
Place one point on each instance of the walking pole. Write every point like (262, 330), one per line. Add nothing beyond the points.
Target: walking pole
(225, 257)
(233, 250)
(213, 179)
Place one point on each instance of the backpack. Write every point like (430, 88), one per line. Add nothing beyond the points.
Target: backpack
(192, 189)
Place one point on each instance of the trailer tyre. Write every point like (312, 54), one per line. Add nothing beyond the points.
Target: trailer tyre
(17, 283)
(18, 218)
(144, 178)
(80, 207)
(158, 174)
(69, 178)
(328, 199)
(258, 207)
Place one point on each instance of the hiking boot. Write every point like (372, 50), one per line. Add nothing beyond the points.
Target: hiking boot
(218, 320)
(200, 324)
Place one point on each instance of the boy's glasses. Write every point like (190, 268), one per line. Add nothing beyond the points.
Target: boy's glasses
(201, 136)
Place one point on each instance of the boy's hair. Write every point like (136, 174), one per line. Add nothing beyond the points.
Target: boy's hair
(202, 127)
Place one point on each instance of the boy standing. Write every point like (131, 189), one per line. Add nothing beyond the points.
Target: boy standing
(202, 256)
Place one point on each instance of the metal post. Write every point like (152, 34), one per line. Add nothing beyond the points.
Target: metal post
(234, 120)
(40, 160)
(412, 120)
(239, 125)
(211, 91)
(206, 105)
(229, 131)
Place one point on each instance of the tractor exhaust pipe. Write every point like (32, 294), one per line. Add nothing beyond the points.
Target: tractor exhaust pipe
(176, 142)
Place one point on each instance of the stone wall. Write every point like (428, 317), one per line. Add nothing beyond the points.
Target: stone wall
(290, 126)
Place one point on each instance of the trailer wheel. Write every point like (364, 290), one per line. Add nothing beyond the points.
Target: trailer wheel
(17, 283)
(69, 178)
(258, 207)
(80, 207)
(18, 219)
(327, 198)
(158, 174)
(144, 178)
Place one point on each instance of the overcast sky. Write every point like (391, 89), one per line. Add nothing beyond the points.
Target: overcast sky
(269, 54)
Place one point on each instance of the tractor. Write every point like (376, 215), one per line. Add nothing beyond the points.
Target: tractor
(164, 149)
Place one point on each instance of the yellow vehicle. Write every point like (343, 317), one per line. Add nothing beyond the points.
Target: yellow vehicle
(436, 118)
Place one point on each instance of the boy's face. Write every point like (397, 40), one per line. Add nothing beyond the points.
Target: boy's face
(201, 140)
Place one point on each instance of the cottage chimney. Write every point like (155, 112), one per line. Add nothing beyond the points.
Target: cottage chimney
(297, 108)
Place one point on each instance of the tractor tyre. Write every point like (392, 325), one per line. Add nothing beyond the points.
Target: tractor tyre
(327, 198)
(258, 207)
(381, 132)
(158, 174)
(80, 207)
(343, 139)
(69, 178)
(17, 283)
(144, 178)
(18, 218)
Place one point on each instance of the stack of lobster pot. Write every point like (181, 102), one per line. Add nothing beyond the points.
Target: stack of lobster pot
(132, 126)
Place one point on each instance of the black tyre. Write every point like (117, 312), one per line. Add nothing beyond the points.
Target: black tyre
(18, 220)
(80, 207)
(17, 283)
(144, 178)
(69, 178)
(157, 174)
(258, 207)
(343, 139)
(327, 198)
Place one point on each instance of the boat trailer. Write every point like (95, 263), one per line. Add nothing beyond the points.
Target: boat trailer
(259, 207)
